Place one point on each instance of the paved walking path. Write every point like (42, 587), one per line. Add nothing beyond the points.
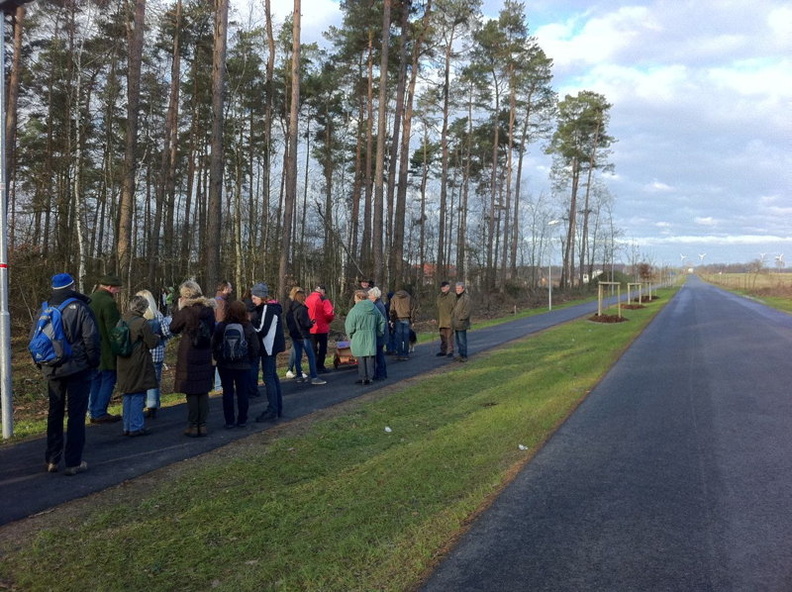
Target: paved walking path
(674, 474)
(25, 489)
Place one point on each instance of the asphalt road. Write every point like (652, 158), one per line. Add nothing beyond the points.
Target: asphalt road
(674, 474)
(26, 489)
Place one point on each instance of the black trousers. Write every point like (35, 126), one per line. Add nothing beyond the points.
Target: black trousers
(69, 393)
(320, 349)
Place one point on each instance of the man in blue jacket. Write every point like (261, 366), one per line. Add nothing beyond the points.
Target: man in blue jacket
(69, 384)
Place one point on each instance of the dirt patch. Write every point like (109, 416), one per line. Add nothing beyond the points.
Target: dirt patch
(607, 319)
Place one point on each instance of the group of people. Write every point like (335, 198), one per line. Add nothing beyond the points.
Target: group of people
(241, 337)
(453, 320)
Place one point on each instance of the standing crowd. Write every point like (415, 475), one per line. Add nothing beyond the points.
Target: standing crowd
(86, 349)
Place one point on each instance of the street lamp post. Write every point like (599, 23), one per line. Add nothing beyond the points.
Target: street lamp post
(550, 269)
(6, 395)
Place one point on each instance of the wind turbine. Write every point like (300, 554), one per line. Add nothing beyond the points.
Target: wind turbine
(780, 261)
(701, 258)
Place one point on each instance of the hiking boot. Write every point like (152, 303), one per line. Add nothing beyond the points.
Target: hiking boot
(266, 416)
(106, 418)
(141, 432)
(191, 431)
(81, 468)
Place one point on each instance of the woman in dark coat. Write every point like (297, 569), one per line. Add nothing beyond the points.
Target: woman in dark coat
(235, 373)
(136, 372)
(195, 320)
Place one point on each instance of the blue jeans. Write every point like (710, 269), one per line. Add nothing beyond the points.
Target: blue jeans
(402, 330)
(153, 395)
(102, 386)
(69, 392)
(461, 343)
(235, 382)
(380, 371)
(301, 345)
(132, 411)
(274, 395)
(292, 358)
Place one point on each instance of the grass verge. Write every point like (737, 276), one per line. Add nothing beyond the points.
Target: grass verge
(334, 501)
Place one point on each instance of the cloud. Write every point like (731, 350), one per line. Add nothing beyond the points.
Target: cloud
(657, 187)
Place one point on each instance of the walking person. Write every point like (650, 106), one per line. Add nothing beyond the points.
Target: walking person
(299, 324)
(69, 381)
(460, 320)
(136, 374)
(268, 322)
(161, 326)
(380, 367)
(401, 312)
(236, 348)
(445, 305)
(195, 320)
(106, 312)
(364, 325)
(320, 311)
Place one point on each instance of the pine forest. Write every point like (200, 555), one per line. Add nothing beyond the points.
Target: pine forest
(166, 139)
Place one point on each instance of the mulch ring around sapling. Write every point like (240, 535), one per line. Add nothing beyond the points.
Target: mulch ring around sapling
(607, 318)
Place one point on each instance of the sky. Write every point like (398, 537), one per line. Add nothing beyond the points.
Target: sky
(701, 95)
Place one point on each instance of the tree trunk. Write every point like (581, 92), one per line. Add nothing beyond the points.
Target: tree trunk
(379, 167)
(215, 210)
(127, 203)
(291, 166)
(170, 151)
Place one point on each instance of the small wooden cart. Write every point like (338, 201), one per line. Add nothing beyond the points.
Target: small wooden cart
(343, 355)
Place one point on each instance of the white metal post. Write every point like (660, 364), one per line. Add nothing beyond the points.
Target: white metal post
(5, 317)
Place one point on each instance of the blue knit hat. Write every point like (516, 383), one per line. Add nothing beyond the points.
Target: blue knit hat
(61, 281)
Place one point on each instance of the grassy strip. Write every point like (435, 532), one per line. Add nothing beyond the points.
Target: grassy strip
(335, 502)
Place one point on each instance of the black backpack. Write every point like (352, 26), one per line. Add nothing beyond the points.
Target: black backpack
(234, 347)
(201, 337)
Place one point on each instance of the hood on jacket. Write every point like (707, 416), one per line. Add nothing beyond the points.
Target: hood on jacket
(210, 302)
(60, 296)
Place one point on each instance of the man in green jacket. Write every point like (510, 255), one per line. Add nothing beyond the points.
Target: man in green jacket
(106, 311)
(460, 321)
(445, 305)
